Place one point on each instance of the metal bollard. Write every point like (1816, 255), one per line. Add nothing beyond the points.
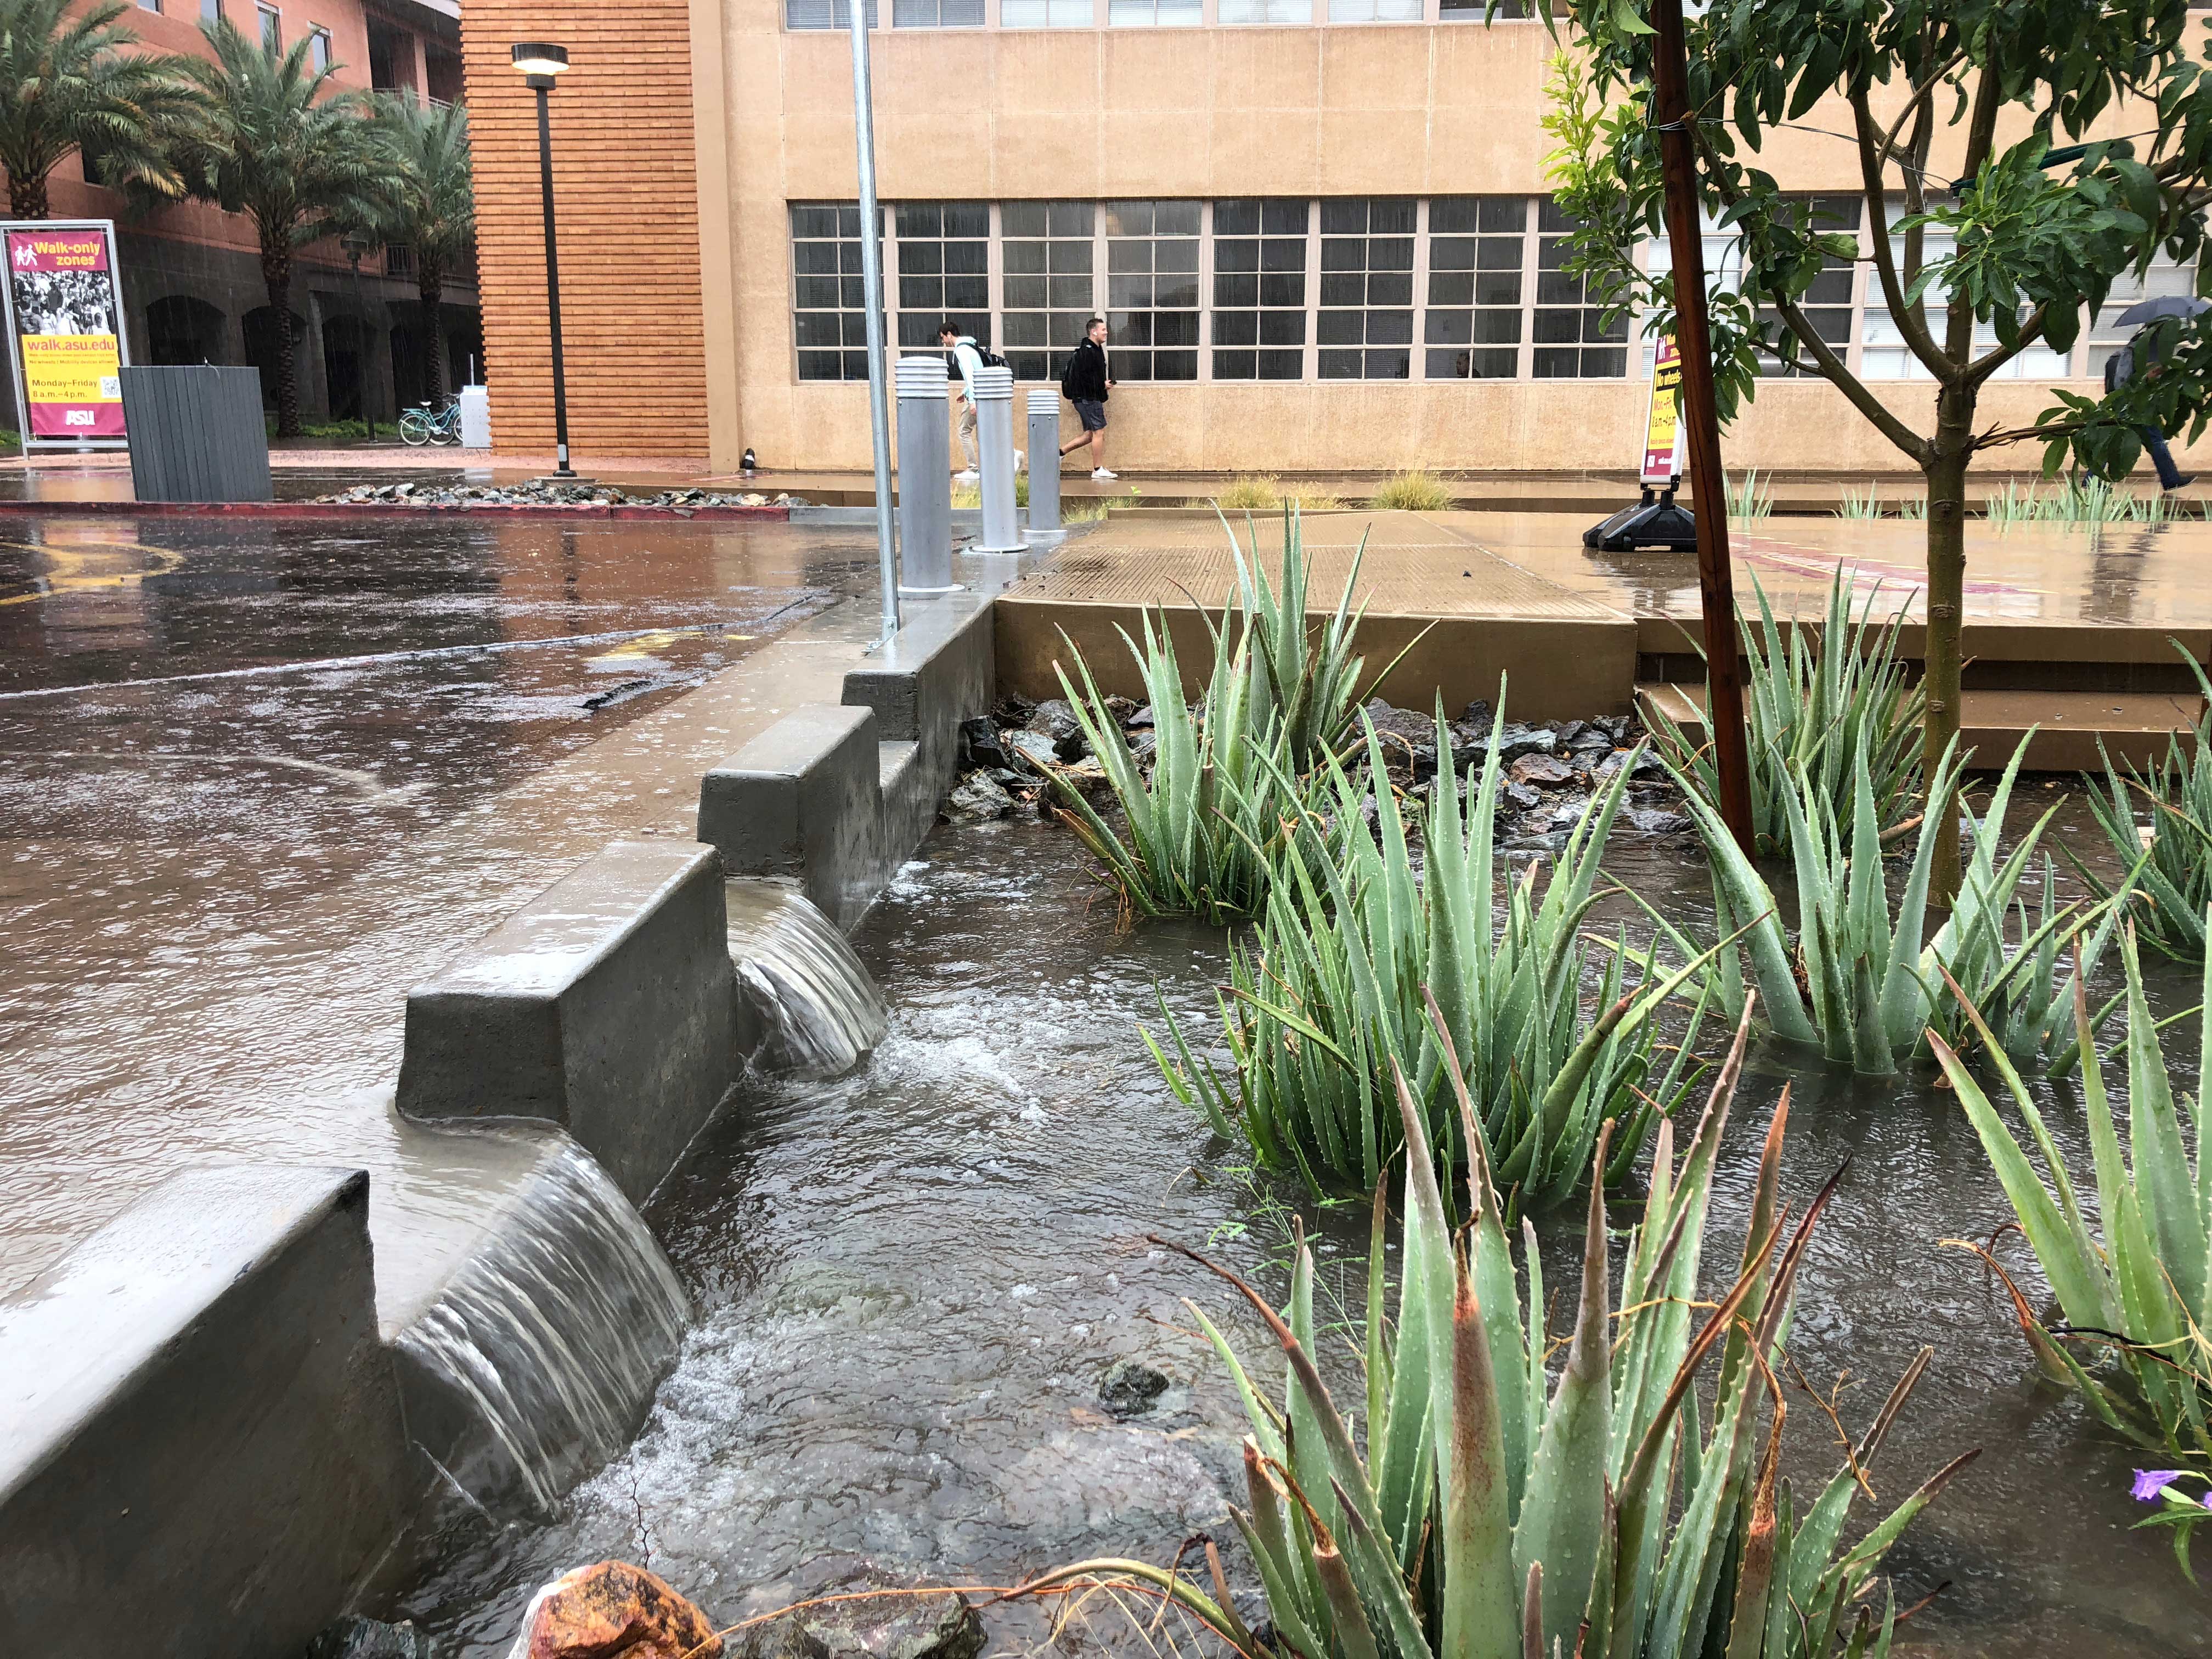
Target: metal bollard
(1044, 481)
(924, 489)
(994, 437)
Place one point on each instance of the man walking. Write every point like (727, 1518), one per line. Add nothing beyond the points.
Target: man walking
(967, 360)
(2121, 368)
(1086, 383)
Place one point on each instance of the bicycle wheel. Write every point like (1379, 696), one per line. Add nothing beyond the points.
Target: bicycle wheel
(415, 428)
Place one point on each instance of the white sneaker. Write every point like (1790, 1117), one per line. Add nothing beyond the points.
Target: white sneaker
(1020, 461)
(1103, 473)
(965, 475)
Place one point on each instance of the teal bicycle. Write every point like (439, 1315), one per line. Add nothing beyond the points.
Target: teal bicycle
(425, 425)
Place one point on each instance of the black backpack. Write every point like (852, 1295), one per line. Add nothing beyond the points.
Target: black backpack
(989, 358)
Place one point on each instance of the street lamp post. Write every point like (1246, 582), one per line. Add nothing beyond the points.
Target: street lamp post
(356, 245)
(539, 62)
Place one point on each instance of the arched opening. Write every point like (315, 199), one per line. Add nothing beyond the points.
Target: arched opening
(260, 327)
(346, 345)
(180, 328)
(410, 346)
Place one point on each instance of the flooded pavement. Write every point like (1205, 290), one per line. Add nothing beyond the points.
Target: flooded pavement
(256, 778)
(907, 1283)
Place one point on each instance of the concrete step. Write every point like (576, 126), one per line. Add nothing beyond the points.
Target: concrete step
(893, 761)
(2134, 726)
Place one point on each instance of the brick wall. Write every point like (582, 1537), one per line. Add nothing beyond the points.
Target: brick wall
(626, 196)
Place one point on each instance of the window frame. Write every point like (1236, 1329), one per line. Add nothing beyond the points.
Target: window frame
(322, 50)
(272, 19)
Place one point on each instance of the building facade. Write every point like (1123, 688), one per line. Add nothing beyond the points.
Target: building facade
(191, 274)
(1320, 230)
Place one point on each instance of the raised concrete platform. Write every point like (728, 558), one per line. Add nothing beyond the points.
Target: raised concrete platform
(201, 1443)
(606, 1004)
(2072, 630)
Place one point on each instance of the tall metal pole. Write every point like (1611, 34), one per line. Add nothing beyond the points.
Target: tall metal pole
(544, 84)
(872, 287)
(1670, 78)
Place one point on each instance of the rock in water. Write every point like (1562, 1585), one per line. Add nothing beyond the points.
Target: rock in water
(876, 1628)
(356, 1638)
(783, 1638)
(980, 746)
(977, 799)
(1543, 771)
(1129, 1387)
(613, 1611)
(1055, 719)
(1033, 750)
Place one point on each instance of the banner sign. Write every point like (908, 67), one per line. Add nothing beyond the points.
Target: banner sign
(1662, 428)
(65, 338)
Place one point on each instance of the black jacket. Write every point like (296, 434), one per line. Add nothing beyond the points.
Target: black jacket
(1086, 372)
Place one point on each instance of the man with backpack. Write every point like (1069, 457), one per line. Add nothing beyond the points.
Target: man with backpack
(1086, 383)
(967, 358)
(2121, 368)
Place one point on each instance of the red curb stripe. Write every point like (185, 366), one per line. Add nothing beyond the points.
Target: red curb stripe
(355, 510)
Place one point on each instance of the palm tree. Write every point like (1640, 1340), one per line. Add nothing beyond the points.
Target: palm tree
(431, 207)
(302, 166)
(66, 83)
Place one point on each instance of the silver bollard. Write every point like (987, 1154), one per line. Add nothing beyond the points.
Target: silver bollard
(924, 489)
(1044, 481)
(994, 438)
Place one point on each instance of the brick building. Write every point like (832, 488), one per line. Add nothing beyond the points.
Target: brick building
(1319, 229)
(191, 274)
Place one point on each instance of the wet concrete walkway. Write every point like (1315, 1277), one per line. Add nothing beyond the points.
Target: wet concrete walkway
(256, 782)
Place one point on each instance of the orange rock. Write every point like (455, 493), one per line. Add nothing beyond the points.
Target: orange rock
(614, 1611)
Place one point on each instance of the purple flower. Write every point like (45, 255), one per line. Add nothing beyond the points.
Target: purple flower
(2149, 1482)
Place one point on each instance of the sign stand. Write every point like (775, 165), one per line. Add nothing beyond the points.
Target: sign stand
(1656, 520)
(62, 298)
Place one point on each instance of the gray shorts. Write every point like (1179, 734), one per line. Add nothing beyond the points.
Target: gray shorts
(1091, 412)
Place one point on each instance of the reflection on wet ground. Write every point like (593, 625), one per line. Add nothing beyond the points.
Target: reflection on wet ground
(254, 778)
(909, 1282)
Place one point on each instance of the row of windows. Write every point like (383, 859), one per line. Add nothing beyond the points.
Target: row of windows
(1144, 14)
(272, 27)
(1385, 288)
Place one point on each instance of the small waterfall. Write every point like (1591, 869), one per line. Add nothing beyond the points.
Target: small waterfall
(553, 1334)
(819, 1010)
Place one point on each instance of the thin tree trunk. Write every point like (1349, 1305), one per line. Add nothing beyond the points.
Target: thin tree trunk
(276, 273)
(432, 288)
(27, 195)
(1946, 473)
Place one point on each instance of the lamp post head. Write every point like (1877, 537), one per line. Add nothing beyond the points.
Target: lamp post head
(539, 62)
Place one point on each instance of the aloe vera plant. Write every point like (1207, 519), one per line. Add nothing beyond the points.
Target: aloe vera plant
(1871, 983)
(2174, 883)
(1489, 1512)
(2134, 1331)
(1205, 816)
(1811, 706)
(1330, 1000)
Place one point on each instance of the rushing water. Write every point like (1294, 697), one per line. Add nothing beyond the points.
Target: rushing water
(555, 1330)
(820, 1013)
(910, 1279)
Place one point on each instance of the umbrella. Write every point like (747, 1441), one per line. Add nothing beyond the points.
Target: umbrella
(2168, 304)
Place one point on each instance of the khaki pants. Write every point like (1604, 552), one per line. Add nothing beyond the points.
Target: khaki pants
(967, 428)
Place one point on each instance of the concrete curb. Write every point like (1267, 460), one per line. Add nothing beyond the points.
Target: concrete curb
(352, 509)
(606, 1004)
(201, 1441)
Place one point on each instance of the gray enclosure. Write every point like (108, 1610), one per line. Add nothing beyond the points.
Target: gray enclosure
(196, 433)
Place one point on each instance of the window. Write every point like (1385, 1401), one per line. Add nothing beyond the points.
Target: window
(318, 49)
(1884, 355)
(1375, 11)
(1045, 13)
(936, 14)
(1049, 297)
(1570, 341)
(1478, 245)
(1366, 328)
(273, 28)
(92, 158)
(1479, 11)
(150, 5)
(943, 270)
(2107, 335)
(1827, 303)
(829, 313)
(1259, 290)
(210, 10)
(825, 15)
(1264, 11)
(1152, 289)
(1155, 13)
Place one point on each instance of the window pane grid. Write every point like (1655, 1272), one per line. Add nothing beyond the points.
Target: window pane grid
(1473, 327)
(1259, 289)
(944, 270)
(1364, 327)
(1048, 254)
(1152, 289)
(829, 309)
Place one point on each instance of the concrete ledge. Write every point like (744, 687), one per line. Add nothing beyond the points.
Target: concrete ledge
(606, 1006)
(803, 799)
(200, 1433)
(939, 669)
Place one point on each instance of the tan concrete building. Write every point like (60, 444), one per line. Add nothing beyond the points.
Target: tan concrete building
(1319, 228)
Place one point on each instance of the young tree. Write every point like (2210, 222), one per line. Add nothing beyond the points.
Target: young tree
(67, 82)
(431, 207)
(2053, 144)
(300, 164)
